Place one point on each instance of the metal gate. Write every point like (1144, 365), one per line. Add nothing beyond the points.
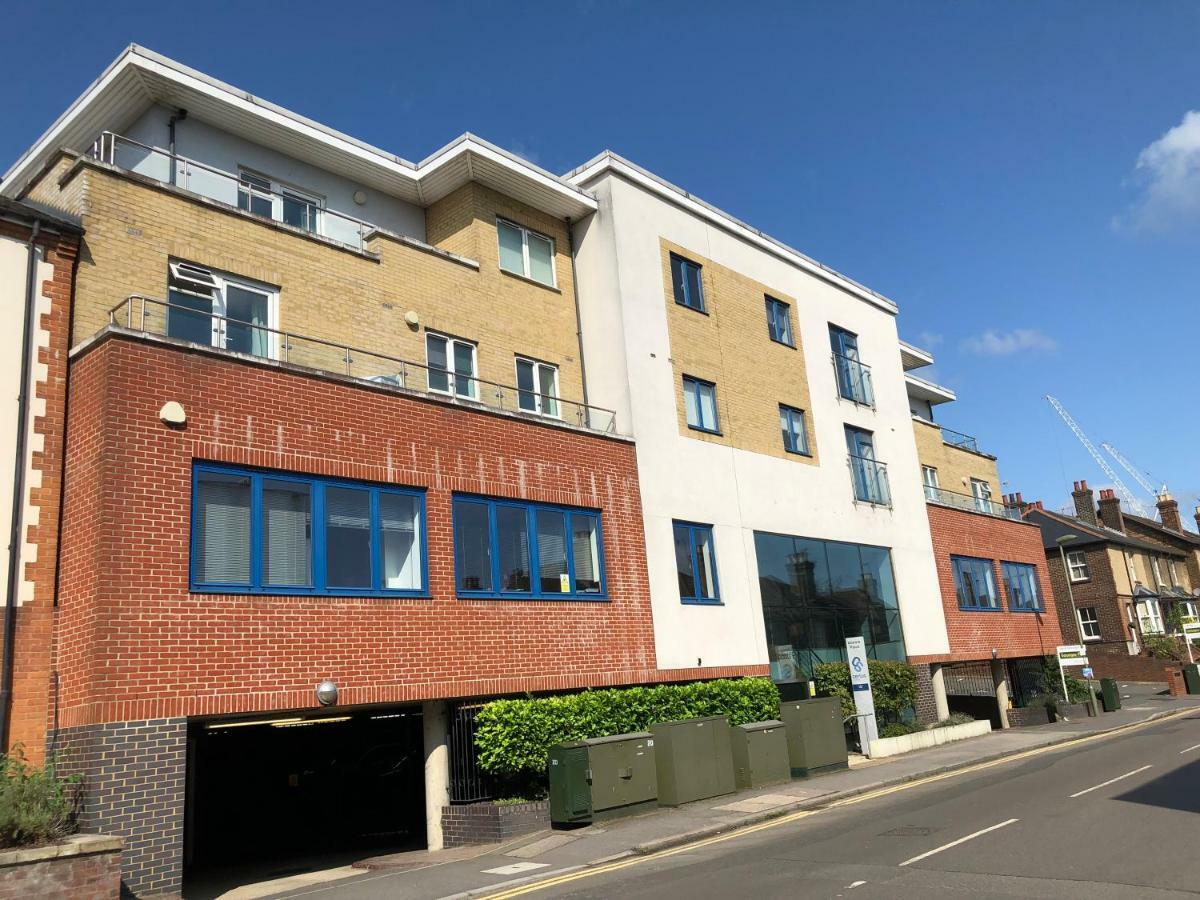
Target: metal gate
(468, 782)
(969, 680)
(1026, 680)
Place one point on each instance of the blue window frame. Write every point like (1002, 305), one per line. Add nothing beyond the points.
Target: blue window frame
(511, 549)
(791, 423)
(686, 283)
(779, 321)
(700, 405)
(696, 563)
(1020, 579)
(265, 532)
(975, 583)
(853, 378)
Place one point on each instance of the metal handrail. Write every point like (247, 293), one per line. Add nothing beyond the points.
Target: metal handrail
(969, 502)
(869, 478)
(150, 315)
(179, 171)
(958, 439)
(853, 380)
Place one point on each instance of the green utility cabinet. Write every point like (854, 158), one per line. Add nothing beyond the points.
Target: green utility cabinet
(694, 758)
(815, 735)
(760, 754)
(602, 778)
(1191, 677)
(1110, 694)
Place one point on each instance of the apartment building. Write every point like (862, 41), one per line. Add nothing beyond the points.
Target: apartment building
(1123, 587)
(332, 475)
(775, 450)
(1001, 613)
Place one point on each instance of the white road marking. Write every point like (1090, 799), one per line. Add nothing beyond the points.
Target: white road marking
(515, 868)
(1188, 749)
(854, 884)
(1097, 787)
(961, 840)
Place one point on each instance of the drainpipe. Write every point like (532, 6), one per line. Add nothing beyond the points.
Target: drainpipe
(578, 321)
(18, 497)
(178, 116)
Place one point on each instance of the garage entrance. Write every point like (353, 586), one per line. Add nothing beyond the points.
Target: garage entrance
(288, 787)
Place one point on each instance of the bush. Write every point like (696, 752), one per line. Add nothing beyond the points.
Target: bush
(514, 737)
(893, 685)
(1051, 683)
(36, 805)
(1162, 646)
(899, 729)
(1049, 701)
(957, 718)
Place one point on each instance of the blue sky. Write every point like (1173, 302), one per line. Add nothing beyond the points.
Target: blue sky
(1022, 178)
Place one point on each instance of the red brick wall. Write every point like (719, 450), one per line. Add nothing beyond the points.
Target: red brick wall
(135, 644)
(973, 635)
(92, 876)
(29, 710)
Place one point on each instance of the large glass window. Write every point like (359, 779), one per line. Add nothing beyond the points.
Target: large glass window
(696, 562)
(779, 321)
(686, 283)
(816, 593)
(700, 404)
(278, 533)
(208, 307)
(975, 583)
(526, 253)
(510, 548)
(1023, 593)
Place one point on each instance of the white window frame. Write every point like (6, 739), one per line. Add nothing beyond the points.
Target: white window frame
(1157, 571)
(1149, 615)
(525, 233)
(981, 490)
(1085, 571)
(1173, 572)
(931, 484)
(451, 375)
(278, 189)
(538, 399)
(200, 281)
(1093, 621)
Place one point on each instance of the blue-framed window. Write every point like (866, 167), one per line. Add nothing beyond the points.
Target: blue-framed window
(853, 378)
(513, 549)
(791, 423)
(1021, 581)
(779, 321)
(686, 283)
(696, 561)
(266, 532)
(975, 583)
(700, 404)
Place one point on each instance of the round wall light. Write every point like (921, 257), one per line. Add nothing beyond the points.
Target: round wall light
(327, 693)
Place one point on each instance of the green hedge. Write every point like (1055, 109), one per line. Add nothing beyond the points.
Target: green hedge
(514, 737)
(893, 685)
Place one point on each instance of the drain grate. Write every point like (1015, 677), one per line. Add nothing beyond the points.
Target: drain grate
(909, 831)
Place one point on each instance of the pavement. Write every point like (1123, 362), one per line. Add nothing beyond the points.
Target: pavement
(671, 833)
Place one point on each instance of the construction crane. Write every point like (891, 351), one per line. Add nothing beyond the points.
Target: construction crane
(1131, 501)
(1139, 477)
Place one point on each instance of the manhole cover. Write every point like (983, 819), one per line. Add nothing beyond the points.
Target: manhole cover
(909, 831)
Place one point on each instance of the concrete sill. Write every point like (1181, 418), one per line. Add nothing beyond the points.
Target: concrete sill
(74, 845)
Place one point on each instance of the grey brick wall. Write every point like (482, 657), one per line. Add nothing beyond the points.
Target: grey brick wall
(926, 705)
(488, 823)
(133, 787)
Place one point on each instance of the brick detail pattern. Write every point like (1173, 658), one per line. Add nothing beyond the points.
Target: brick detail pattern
(29, 713)
(973, 635)
(92, 876)
(926, 705)
(134, 784)
(489, 823)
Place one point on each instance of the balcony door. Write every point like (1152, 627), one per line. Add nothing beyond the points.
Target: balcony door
(206, 307)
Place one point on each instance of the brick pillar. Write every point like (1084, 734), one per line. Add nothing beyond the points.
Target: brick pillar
(1110, 510)
(1168, 512)
(1085, 502)
(927, 706)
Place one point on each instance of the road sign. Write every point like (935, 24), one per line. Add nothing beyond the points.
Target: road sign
(1072, 655)
(860, 686)
(1088, 672)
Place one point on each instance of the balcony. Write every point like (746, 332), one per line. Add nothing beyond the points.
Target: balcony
(247, 192)
(853, 380)
(970, 503)
(959, 440)
(870, 479)
(202, 328)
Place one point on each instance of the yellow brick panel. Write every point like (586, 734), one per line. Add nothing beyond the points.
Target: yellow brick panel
(956, 467)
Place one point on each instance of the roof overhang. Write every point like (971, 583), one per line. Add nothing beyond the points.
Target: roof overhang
(611, 163)
(920, 389)
(914, 357)
(139, 78)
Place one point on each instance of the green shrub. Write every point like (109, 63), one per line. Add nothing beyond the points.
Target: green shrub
(1051, 682)
(893, 685)
(957, 718)
(36, 804)
(1049, 701)
(514, 737)
(899, 729)
(1162, 646)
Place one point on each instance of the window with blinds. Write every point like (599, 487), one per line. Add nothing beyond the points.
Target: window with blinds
(276, 533)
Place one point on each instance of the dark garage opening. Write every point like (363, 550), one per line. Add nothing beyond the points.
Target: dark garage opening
(275, 794)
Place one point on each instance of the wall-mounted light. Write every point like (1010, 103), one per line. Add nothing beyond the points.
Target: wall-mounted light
(172, 413)
(412, 318)
(327, 693)
(360, 197)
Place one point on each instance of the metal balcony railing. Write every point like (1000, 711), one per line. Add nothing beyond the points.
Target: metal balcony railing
(870, 479)
(151, 316)
(289, 207)
(970, 503)
(854, 380)
(958, 439)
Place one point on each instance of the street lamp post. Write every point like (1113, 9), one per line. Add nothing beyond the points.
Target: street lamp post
(1062, 541)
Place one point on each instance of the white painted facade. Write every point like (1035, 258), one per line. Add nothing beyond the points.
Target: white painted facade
(627, 353)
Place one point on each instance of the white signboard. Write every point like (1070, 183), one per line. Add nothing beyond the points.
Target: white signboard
(860, 686)
(1072, 655)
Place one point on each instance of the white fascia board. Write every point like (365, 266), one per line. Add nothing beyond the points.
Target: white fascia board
(611, 162)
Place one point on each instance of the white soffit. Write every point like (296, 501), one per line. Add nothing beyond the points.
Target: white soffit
(139, 78)
(928, 390)
(914, 357)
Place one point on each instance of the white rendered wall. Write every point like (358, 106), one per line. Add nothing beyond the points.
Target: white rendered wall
(627, 351)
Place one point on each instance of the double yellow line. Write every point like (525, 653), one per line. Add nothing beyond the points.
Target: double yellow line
(616, 866)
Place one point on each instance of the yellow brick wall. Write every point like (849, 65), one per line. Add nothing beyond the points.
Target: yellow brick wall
(730, 346)
(339, 296)
(953, 463)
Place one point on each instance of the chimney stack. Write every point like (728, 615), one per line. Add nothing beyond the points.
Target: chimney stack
(1015, 501)
(1168, 511)
(1085, 502)
(1110, 510)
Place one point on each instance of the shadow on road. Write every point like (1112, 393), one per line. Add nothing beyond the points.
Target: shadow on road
(1174, 790)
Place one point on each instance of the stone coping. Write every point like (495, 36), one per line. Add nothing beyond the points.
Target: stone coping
(73, 845)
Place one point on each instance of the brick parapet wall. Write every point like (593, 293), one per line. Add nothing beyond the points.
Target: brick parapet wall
(490, 823)
(80, 874)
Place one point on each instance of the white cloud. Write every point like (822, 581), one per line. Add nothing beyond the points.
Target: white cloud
(1168, 177)
(1006, 343)
(929, 339)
